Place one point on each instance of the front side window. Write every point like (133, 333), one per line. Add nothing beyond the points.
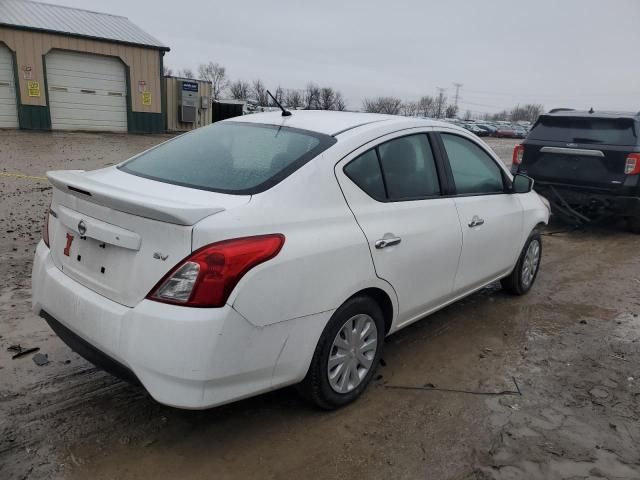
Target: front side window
(474, 171)
(230, 157)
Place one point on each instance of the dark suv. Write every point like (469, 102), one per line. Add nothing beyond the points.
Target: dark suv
(587, 164)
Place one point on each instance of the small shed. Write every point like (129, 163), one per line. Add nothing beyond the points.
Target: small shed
(187, 103)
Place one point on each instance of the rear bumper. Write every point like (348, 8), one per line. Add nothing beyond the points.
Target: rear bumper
(184, 357)
(619, 205)
(88, 351)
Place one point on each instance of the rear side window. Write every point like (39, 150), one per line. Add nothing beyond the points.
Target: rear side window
(608, 131)
(365, 172)
(230, 157)
(474, 171)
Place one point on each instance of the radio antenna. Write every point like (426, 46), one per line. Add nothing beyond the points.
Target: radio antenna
(285, 112)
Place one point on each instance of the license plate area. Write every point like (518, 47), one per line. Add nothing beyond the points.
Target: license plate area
(90, 259)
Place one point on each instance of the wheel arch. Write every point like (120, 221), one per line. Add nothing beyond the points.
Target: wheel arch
(383, 300)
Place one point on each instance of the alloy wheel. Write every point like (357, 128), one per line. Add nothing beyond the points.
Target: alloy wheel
(531, 263)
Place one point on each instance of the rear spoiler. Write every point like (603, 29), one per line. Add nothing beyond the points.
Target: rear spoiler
(170, 210)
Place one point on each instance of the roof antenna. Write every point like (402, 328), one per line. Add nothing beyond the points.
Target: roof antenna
(591, 110)
(285, 113)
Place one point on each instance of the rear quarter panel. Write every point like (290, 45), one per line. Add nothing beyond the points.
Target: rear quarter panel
(325, 258)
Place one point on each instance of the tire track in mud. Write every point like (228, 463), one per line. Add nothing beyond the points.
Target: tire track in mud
(579, 414)
(63, 409)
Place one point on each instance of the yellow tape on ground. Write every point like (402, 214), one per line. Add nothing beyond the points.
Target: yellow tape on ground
(19, 175)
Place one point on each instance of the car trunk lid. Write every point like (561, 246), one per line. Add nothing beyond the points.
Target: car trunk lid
(118, 234)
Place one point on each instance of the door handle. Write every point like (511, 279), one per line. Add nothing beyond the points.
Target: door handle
(476, 221)
(387, 242)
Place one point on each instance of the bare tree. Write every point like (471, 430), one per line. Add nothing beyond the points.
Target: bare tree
(426, 106)
(440, 104)
(451, 111)
(239, 90)
(409, 109)
(259, 93)
(388, 105)
(503, 115)
(293, 99)
(217, 75)
(166, 71)
(279, 94)
(185, 73)
(467, 115)
(339, 103)
(327, 98)
(311, 97)
(529, 112)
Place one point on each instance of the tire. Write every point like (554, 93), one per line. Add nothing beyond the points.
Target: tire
(519, 282)
(633, 224)
(357, 312)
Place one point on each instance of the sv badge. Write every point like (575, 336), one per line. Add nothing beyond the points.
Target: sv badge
(160, 256)
(67, 247)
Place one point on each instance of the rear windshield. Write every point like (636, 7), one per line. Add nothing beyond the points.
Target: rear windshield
(230, 157)
(585, 130)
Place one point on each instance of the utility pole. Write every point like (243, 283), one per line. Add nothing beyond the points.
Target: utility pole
(440, 101)
(458, 87)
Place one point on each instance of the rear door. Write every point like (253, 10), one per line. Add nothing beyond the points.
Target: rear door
(585, 152)
(491, 219)
(414, 236)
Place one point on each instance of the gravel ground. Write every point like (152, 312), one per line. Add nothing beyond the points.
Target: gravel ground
(571, 348)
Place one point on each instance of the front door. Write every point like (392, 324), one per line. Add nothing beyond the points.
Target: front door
(413, 233)
(490, 218)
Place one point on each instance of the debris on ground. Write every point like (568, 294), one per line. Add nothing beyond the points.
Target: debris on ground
(41, 359)
(20, 351)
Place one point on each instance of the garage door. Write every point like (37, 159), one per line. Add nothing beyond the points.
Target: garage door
(8, 109)
(86, 92)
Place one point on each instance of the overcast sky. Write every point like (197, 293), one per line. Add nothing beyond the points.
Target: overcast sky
(570, 53)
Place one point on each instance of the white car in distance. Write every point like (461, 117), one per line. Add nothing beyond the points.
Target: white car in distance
(271, 250)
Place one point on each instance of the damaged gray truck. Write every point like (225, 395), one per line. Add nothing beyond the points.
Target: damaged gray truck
(586, 163)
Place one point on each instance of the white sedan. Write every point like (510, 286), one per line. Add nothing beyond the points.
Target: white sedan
(271, 250)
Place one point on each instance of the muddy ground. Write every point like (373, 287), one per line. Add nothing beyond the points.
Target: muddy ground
(543, 386)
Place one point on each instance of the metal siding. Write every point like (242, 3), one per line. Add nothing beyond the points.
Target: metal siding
(31, 46)
(171, 106)
(74, 21)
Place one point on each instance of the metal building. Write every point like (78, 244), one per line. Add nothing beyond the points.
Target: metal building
(188, 103)
(64, 68)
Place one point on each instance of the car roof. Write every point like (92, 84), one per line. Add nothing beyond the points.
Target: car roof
(328, 122)
(566, 112)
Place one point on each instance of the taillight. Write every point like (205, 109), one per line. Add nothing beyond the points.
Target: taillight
(45, 228)
(632, 165)
(518, 152)
(209, 275)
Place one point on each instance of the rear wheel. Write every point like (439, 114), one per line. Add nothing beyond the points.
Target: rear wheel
(633, 224)
(347, 354)
(525, 272)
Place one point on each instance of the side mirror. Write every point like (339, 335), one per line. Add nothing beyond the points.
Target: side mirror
(521, 184)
